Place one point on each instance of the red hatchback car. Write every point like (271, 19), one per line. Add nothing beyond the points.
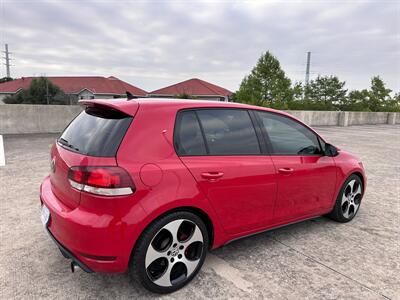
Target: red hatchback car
(150, 185)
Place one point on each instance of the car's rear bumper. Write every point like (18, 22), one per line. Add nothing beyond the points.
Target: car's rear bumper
(97, 240)
(68, 254)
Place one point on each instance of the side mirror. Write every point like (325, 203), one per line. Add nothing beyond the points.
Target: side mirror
(331, 150)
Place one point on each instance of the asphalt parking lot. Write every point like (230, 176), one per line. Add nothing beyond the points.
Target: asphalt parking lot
(316, 259)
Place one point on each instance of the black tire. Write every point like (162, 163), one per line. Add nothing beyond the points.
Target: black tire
(339, 212)
(137, 267)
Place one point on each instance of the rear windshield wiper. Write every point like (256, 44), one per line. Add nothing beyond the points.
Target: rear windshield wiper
(65, 143)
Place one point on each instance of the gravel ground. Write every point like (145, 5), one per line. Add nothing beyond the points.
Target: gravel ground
(314, 259)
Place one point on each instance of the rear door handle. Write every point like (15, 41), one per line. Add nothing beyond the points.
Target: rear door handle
(212, 175)
(286, 171)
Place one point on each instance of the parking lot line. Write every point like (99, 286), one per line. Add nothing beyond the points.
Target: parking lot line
(2, 157)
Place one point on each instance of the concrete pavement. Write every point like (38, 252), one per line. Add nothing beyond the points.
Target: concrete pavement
(317, 259)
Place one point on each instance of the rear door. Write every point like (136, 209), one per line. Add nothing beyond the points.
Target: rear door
(221, 149)
(306, 177)
(92, 138)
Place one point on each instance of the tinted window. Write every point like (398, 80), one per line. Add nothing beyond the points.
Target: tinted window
(96, 132)
(229, 132)
(289, 137)
(188, 137)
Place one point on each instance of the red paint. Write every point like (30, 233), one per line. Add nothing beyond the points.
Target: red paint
(151, 174)
(240, 194)
(307, 188)
(244, 195)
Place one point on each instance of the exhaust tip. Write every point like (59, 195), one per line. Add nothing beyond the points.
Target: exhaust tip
(74, 266)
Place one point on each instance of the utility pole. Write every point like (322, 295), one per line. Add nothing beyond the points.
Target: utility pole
(7, 59)
(307, 80)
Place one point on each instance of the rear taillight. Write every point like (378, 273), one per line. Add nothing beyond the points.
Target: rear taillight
(106, 181)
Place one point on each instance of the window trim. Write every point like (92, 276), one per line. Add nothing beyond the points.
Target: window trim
(268, 140)
(261, 139)
(203, 135)
(262, 136)
(259, 136)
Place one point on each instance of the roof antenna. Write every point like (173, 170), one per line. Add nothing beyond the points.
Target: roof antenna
(130, 96)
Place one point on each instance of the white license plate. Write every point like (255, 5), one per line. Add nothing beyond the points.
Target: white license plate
(45, 215)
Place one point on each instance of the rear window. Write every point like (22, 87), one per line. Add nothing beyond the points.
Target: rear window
(96, 132)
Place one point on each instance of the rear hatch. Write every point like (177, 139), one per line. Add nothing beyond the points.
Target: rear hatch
(91, 139)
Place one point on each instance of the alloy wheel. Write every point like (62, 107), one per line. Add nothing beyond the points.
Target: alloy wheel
(351, 198)
(174, 253)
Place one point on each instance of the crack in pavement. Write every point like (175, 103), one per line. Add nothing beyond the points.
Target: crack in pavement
(330, 268)
(226, 271)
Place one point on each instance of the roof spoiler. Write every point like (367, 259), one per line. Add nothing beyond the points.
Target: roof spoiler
(127, 107)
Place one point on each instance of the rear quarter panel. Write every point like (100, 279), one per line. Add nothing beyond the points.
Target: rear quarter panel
(162, 181)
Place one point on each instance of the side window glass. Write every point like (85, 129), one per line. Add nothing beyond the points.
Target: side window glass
(188, 139)
(229, 132)
(289, 137)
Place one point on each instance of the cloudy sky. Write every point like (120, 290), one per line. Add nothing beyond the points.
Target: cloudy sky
(156, 43)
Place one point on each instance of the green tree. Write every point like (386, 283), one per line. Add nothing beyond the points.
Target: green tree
(40, 91)
(325, 92)
(298, 91)
(379, 95)
(375, 99)
(356, 101)
(266, 85)
(299, 102)
(184, 96)
(393, 104)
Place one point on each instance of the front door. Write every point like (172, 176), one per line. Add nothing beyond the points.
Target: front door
(305, 185)
(306, 178)
(221, 149)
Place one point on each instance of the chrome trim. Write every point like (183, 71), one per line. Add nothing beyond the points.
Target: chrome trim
(76, 185)
(107, 192)
(101, 191)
